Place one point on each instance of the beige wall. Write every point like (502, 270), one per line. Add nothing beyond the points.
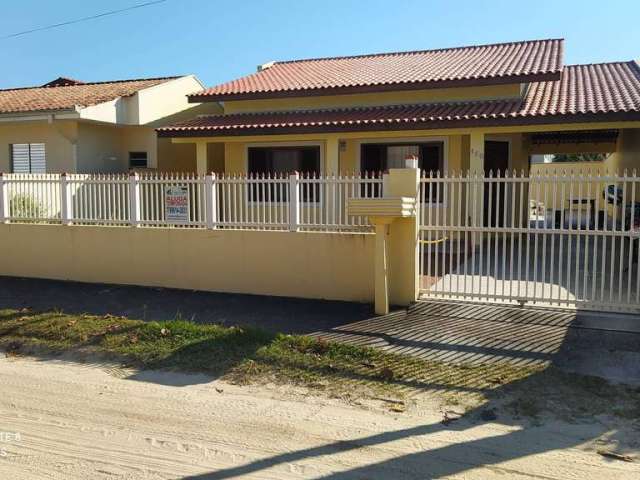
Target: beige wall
(105, 148)
(59, 138)
(309, 265)
(489, 92)
(99, 149)
(627, 154)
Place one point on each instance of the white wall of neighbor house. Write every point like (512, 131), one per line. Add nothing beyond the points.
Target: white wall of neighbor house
(146, 106)
(166, 99)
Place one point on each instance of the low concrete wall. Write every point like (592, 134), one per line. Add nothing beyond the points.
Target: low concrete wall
(308, 265)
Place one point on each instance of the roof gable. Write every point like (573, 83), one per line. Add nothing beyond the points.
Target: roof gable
(474, 65)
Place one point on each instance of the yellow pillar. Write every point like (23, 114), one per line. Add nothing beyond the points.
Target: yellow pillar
(201, 157)
(402, 243)
(332, 156)
(476, 153)
(381, 281)
(476, 167)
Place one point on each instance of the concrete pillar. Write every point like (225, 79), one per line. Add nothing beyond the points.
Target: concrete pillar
(396, 226)
(402, 246)
(382, 265)
(201, 157)
(476, 153)
(332, 156)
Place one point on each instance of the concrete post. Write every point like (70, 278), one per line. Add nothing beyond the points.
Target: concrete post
(294, 202)
(4, 200)
(394, 216)
(134, 199)
(382, 265)
(66, 201)
(211, 200)
(402, 246)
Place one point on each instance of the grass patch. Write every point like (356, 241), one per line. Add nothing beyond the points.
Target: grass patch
(247, 355)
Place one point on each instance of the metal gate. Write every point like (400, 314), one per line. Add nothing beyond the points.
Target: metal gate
(569, 240)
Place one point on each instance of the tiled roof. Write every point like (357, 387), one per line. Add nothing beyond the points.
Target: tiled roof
(65, 97)
(584, 93)
(474, 65)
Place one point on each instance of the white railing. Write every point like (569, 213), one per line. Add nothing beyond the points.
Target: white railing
(570, 239)
(294, 202)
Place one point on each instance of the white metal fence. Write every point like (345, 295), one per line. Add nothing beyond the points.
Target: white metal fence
(277, 202)
(562, 240)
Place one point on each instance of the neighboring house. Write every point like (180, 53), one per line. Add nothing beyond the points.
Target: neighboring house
(81, 127)
(486, 107)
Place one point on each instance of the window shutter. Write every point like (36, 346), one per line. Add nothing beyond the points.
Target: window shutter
(20, 158)
(38, 158)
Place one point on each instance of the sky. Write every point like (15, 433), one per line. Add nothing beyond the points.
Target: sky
(220, 40)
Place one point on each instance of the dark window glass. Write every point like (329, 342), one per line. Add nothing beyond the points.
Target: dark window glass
(376, 158)
(138, 160)
(281, 161)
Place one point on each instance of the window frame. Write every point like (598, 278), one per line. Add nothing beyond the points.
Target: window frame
(29, 148)
(131, 167)
(408, 141)
(321, 147)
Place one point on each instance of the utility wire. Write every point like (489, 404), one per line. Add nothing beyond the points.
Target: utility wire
(84, 19)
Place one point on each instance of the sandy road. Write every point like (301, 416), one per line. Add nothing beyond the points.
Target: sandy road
(95, 422)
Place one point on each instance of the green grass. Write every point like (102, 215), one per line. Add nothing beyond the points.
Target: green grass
(246, 355)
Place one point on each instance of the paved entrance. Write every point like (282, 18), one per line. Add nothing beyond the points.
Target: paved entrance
(602, 344)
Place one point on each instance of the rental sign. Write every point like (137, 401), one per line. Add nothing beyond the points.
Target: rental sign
(176, 204)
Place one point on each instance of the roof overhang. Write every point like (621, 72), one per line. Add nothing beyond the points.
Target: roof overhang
(40, 115)
(410, 117)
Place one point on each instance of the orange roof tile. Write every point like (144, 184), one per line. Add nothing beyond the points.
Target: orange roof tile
(584, 93)
(475, 65)
(58, 95)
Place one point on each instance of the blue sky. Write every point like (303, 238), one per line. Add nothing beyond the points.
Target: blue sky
(220, 40)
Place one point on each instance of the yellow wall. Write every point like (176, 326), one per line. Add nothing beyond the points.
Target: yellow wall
(489, 92)
(627, 155)
(57, 137)
(309, 265)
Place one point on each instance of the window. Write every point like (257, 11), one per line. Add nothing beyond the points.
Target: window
(376, 158)
(138, 160)
(28, 158)
(282, 161)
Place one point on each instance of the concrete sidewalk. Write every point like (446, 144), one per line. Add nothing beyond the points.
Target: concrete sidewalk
(606, 345)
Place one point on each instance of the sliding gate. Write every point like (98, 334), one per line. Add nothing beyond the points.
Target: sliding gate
(564, 241)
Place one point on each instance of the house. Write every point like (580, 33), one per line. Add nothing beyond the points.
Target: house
(386, 177)
(485, 107)
(72, 126)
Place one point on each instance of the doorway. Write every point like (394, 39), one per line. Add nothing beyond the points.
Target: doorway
(496, 162)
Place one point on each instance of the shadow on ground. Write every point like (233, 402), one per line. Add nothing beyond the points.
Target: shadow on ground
(442, 332)
(281, 314)
(529, 436)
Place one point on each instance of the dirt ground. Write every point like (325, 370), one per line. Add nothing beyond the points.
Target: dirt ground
(65, 420)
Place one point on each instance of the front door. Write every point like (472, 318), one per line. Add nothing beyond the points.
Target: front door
(496, 162)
